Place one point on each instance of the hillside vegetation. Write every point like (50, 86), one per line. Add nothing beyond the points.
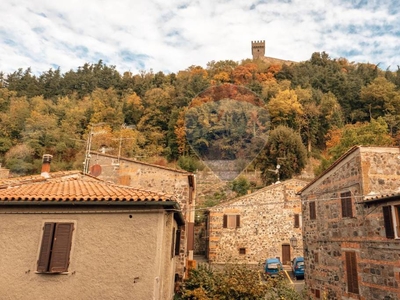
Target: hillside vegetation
(326, 104)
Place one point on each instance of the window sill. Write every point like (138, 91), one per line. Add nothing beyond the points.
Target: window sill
(52, 273)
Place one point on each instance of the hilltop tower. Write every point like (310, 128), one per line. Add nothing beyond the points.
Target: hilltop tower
(258, 49)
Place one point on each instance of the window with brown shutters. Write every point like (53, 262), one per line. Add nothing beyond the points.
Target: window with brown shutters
(347, 211)
(55, 248)
(388, 221)
(231, 221)
(351, 270)
(296, 220)
(313, 213)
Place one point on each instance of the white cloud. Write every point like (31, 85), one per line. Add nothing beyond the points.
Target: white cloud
(172, 35)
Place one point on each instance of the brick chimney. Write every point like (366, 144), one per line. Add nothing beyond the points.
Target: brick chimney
(46, 165)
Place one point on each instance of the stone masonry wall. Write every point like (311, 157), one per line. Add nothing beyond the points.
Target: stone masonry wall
(266, 223)
(330, 235)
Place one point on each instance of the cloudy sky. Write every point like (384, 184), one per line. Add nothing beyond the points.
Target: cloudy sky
(171, 35)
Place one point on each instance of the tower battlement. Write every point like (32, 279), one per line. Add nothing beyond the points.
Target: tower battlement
(258, 49)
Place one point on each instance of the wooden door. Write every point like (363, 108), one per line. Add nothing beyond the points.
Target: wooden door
(286, 254)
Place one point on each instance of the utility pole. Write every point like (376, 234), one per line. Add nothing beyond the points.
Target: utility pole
(86, 162)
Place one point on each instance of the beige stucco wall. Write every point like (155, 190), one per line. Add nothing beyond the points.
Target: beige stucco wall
(120, 255)
(266, 223)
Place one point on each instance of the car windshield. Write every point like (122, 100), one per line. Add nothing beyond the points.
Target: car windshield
(300, 264)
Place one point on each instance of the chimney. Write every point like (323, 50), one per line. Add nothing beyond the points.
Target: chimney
(46, 165)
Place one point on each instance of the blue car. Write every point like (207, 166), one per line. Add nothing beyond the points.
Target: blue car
(298, 267)
(273, 267)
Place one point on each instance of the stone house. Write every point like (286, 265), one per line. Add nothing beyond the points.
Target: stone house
(351, 217)
(257, 226)
(71, 236)
(180, 184)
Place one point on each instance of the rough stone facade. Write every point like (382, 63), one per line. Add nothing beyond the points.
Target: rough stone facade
(180, 184)
(347, 253)
(266, 225)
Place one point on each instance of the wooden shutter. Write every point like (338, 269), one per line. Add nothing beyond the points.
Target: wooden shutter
(351, 269)
(296, 220)
(388, 220)
(347, 210)
(173, 242)
(178, 242)
(237, 221)
(45, 248)
(313, 214)
(59, 259)
(225, 222)
(190, 236)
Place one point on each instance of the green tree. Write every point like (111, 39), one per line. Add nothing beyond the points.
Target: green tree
(284, 147)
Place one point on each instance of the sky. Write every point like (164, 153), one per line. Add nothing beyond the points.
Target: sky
(172, 35)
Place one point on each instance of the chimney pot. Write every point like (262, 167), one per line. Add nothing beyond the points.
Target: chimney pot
(46, 164)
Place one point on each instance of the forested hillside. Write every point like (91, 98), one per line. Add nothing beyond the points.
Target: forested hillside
(325, 104)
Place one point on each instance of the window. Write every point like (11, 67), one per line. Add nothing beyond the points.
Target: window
(351, 270)
(313, 213)
(176, 242)
(242, 250)
(55, 248)
(316, 257)
(391, 217)
(296, 220)
(347, 211)
(317, 294)
(231, 221)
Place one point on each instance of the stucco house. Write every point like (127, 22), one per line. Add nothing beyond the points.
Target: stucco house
(257, 226)
(179, 183)
(71, 236)
(351, 217)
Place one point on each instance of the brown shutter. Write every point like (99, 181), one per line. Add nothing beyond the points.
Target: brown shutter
(347, 210)
(351, 269)
(225, 222)
(296, 221)
(388, 220)
(45, 249)
(237, 221)
(313, 214)
(59, 259)
(178, 242)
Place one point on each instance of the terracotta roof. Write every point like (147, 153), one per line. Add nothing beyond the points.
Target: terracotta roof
(6, 182)
(384, 197)
(73, 189)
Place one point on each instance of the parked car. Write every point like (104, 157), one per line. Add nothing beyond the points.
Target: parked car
(298, 267)
(273, 267)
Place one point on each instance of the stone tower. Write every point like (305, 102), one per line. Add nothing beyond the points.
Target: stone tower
(258, 49)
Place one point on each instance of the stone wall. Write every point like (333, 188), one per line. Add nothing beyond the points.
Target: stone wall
(363, 171)
(266, 224)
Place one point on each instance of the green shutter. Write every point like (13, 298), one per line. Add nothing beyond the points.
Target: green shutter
(59, 259)
(45, 249)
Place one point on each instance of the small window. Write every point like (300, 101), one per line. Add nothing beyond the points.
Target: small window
(55, 248)
(391, 217)
(317, 294)
(351, 270)
(316, 257)
(231, 221)
(347, 211)
(313, 213)
(296, 220)
(242, 251)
